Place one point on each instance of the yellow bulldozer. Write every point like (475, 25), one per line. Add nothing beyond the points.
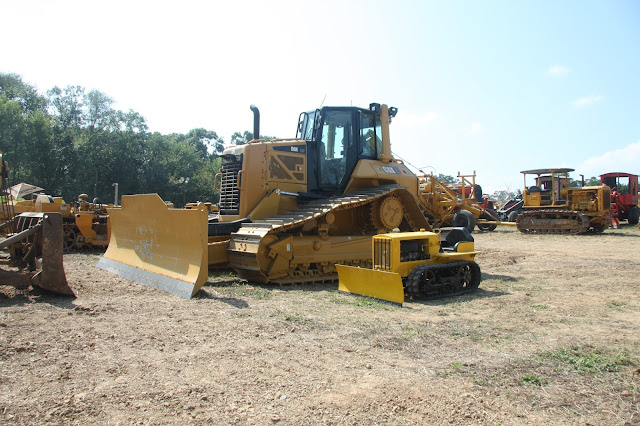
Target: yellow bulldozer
(418, 264)
(552, 206)
(289, 210)
(87, 225)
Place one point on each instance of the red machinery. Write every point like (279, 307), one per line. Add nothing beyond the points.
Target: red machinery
(624, 197)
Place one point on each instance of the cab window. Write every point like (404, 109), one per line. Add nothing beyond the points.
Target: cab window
(370, 143)
(334, 144)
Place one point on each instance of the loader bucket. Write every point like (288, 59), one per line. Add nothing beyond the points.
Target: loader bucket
(158, 246)
(380, 285)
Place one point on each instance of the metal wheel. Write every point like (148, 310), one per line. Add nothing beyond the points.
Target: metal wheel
(70, 236)
(387, 213)
(469, 276)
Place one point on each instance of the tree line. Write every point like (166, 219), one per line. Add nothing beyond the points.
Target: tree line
(71, 141)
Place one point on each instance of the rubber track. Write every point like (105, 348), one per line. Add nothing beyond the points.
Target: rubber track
(413, 284)
(251, 234)
(577, 227)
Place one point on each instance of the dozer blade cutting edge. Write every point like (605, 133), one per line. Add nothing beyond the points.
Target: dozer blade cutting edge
(386, 286)
(158, 246)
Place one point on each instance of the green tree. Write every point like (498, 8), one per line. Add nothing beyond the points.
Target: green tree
(24, 128)
(449, 180)
(12, 86)
(505, 195)
(238, 138)
(73, 142)
(203, 141)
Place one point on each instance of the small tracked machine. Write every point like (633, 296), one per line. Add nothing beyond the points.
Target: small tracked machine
(417, 265)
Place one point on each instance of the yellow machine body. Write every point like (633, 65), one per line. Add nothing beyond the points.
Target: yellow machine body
(395, 256)
(40, 204)
(88, 225)
(165, 250)
(289, 209)
(551, 205)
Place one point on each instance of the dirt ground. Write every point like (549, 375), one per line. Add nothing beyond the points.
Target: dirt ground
(551, 337)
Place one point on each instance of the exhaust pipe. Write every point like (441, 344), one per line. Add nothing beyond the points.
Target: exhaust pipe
(256, 122)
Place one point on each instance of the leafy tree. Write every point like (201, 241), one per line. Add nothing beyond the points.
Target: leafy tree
(67, 107)
(505, 195)
(204, 140)
(72, 141)
(12, 86)
(238, 138)
(22, 122)
(446, 179)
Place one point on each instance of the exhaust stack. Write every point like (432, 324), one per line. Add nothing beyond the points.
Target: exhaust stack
(256, 122)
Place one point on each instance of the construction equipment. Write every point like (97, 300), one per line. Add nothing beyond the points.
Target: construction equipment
(415, 264)
(462, 205)
(551, 206)
(41, 203)
(33, 248)
(511, 209)
(624, 197)
(87, 225)
(289, 209)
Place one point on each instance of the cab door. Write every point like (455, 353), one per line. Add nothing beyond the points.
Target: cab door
(337, 149)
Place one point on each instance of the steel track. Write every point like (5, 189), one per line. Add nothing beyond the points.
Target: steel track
(443, 280)
(553, 222)
(250, 238)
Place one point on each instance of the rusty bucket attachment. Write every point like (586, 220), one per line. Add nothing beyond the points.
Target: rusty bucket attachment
(158, 246)
(36, 246)
(381, 285)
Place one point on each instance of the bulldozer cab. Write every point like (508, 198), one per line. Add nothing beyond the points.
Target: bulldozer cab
(549, 187)
(339, 137)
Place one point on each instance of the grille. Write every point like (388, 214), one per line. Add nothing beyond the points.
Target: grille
(229, 192)
(382, 254)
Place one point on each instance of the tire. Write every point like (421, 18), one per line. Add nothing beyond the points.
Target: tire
(477, 193)
(513, 216)
(633, 215)
(464, 219)
(489, 214)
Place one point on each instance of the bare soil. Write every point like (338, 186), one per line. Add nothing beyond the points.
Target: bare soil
(551, 337)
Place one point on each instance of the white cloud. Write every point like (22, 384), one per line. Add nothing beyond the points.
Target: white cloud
(588, 100)
(477, 127)
(625, 159)
(558, 70)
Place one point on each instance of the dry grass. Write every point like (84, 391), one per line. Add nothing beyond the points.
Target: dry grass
(551, 337)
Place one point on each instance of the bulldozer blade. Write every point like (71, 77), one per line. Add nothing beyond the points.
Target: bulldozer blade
(51, 276)
(158, 246)
(380, 285)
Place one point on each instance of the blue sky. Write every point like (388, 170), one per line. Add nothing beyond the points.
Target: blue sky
(495, 86)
